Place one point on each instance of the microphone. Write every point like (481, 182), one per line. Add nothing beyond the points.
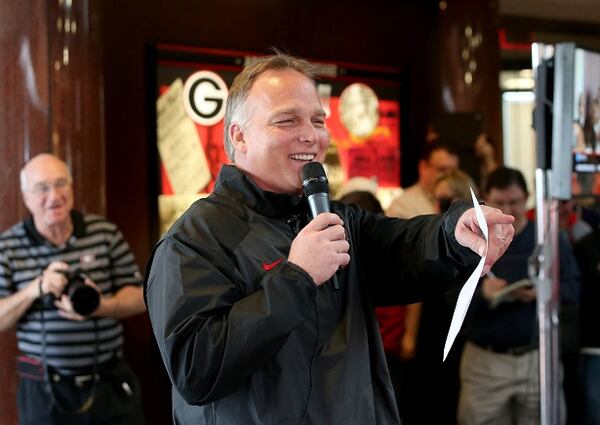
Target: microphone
(316, 189)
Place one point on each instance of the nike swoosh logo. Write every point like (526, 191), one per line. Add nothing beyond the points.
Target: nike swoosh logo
(266, 267)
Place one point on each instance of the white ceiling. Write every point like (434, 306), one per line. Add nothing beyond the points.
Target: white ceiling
(561, 10)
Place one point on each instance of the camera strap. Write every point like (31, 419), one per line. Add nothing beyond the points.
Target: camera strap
(51, 376)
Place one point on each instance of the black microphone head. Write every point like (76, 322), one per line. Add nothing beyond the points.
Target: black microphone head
(314, 179)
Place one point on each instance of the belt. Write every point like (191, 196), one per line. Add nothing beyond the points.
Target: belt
(76, 380)
(513, 351)
(84, 376)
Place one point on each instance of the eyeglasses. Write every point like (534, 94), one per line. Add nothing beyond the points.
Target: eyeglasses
(512, 203)
(43, 188)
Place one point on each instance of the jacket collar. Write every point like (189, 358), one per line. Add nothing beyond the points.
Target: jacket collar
(37, 239)
(270, 204)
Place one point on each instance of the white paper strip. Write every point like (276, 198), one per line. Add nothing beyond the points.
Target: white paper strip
(466, 293)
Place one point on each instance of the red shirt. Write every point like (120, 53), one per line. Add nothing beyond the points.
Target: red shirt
(391, 326)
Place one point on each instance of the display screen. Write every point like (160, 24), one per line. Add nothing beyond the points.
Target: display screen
(585, 142)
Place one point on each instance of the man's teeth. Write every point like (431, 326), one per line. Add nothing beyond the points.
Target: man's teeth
(303, 156)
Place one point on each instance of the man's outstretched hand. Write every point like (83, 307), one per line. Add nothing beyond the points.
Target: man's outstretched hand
(500, 232)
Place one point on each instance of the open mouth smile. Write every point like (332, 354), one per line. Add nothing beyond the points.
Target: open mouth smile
(303, 156)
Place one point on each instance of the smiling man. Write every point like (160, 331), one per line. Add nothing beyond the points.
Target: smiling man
(70, 359)
(248, 328)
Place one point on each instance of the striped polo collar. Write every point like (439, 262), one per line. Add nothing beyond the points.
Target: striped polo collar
(37, 239)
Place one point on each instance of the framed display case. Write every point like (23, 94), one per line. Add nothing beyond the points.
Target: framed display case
(190, 86)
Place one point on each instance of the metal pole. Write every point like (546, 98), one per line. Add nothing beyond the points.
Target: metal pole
(544, 272)
(553, 305)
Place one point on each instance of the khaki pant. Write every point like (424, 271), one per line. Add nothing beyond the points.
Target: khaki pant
(498, 389)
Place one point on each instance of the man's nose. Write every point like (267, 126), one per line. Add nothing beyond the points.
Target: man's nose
(308, 133)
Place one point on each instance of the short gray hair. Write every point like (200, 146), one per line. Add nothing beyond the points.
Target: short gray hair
(235, 110)
(23, 174)
(23, 179)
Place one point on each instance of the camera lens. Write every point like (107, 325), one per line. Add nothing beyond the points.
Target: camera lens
(84, 298)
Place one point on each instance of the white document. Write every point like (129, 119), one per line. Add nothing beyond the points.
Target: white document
(505, 294)
(466, 293)
(179, 144)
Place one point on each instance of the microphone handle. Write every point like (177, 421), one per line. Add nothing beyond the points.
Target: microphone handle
(319, 203)
(335, 282)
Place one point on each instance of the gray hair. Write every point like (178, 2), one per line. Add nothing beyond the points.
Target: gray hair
(23, 179)
(235, 110)
(23, 173)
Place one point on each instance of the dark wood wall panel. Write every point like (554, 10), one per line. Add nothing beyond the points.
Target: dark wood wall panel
(23, 132)
(24, 90)
(470, 62)
(76, 99)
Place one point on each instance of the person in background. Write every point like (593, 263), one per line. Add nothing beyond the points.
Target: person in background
(596, 120)
(453, 186)
(587, 252)
(364, 199)
(578, 217)
(70, 364)
(486, 153)
(437, 159)
(499, 370)
(574, 228)
(583, 128)
(249, 328)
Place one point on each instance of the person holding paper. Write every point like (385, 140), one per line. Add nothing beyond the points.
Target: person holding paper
(249, 329)
(499, 366)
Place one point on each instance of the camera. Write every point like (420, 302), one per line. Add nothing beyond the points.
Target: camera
(84, 298)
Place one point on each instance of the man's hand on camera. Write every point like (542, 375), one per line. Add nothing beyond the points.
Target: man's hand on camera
(65, 306)
(53, 279)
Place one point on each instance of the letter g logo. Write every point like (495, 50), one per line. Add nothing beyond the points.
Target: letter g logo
(204, 96)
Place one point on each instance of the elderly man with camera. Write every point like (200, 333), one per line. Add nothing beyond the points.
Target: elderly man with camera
(65, 281)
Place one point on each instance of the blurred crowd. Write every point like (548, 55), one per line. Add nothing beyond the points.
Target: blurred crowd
(491, 376)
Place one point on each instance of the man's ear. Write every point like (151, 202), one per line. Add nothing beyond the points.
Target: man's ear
(238, 138)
